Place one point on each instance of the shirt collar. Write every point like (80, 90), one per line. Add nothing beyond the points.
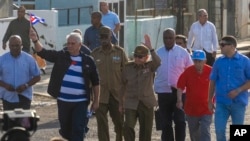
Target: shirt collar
(112, 49)
(173, 48)
(141, 66)
(94, 28)
(235, 56)
(203, 24)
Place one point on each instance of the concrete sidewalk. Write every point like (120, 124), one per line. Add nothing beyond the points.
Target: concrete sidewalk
(41, 87)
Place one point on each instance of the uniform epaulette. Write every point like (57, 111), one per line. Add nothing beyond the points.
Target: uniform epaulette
(118, 47)
(95, 49)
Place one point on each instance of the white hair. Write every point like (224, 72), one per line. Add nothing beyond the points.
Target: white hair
(76, 36)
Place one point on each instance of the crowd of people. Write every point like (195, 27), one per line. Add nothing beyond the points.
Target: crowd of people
(183, 77)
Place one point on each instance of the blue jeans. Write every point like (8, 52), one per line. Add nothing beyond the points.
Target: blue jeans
(222, 113)
(199, 127)
(72, 119)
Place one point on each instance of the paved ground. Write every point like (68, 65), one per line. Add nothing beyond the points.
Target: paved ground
(48, 126)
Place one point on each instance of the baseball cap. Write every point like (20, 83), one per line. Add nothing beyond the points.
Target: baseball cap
(199, 55)
(105, 30)
(141, 50)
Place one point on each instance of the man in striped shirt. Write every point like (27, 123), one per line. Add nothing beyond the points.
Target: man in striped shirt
(71, 77)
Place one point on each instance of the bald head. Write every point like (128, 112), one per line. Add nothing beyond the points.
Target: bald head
(21, 12)
(15, 45)
(169, 30)
(169, 38)
(15, 37)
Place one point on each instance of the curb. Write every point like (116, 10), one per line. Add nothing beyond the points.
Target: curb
(42, 94)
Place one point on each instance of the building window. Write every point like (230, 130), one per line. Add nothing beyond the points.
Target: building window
(28, 4)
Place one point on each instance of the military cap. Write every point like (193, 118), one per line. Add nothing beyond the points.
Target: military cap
(105, 30)
(141, 50)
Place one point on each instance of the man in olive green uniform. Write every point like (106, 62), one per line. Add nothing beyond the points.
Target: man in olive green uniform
(110, 60)
(138, 99)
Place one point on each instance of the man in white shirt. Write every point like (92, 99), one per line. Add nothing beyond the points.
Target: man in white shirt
(202, 36)
(174, 60)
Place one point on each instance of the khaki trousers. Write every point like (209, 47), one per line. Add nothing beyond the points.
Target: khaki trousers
(145, 116)
(102, 120)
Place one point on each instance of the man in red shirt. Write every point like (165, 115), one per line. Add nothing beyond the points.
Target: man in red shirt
(195, 79)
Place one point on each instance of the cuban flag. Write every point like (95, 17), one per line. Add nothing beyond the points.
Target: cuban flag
(35, 19)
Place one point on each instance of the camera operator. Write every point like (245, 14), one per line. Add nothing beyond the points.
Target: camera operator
(16, 134)
(12, 123)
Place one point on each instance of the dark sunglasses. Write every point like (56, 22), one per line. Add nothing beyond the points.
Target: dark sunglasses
(139, 56)
(224, 44)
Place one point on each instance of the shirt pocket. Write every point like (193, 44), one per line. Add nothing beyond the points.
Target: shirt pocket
(237, 72)
(100, 64)
(116, 63)
(208, 33)
(178, 61)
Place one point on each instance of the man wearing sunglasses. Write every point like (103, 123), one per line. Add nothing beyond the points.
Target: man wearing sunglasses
(137, 98)
(229, 82)
(110, 60)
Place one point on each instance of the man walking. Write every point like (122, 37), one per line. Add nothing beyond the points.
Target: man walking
(110, 60)
(202, 36)
(91, 35)
(195, 80)
(19, 26)
(174, 60)
(229, 82)
(138, 98)
(71, 79)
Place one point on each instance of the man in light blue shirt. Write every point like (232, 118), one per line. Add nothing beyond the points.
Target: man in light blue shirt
(18, 72)
(110, 18)
(229, 82)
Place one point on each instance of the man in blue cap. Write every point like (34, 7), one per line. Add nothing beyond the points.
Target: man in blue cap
(195, 79)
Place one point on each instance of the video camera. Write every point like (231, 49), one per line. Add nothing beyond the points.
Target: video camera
(18, 120)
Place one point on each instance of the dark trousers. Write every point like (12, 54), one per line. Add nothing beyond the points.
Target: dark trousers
(169, 113)
(23, 103)
(72, 118)
(210, 58)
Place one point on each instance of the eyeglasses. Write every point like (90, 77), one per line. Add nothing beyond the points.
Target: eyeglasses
(224, 44)
(139, 56)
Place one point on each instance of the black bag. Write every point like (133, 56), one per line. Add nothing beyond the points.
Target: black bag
(157, 119)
